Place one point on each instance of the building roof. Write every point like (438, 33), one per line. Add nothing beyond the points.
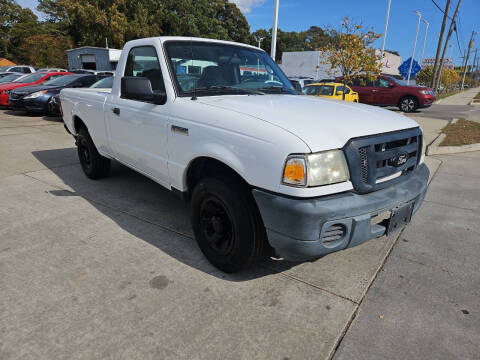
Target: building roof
(6, 62)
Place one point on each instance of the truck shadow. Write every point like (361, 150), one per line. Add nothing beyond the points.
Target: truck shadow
(143, 208)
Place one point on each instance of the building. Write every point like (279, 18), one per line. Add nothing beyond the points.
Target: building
(447, 63)
(309, 64)
(93, 58)
(6, 62)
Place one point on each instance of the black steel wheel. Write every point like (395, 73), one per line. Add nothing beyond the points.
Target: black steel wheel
(226, 223)
(94, 165)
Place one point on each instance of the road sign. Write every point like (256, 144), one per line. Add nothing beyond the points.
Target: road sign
(406, 65)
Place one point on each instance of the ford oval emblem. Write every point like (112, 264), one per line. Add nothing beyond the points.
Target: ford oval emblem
(399, 159)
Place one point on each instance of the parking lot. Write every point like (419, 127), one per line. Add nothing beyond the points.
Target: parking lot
(110, 269)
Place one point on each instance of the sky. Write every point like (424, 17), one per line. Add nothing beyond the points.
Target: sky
(299, 15)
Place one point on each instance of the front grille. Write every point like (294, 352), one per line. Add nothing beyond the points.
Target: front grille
(15, 96)
(374, 159)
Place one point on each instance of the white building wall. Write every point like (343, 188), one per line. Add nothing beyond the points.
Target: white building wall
(308, 63)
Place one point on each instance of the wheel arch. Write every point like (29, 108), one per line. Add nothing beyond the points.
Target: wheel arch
(201, 166)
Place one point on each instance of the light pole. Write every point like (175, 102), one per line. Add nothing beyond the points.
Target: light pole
(274, 30)
(424, 39)
(259, 39)
(414, 46)
(386, 28)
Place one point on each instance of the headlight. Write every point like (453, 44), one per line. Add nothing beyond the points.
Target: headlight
(426, 92)
(35, 94)
(323, 168)
(7, 92)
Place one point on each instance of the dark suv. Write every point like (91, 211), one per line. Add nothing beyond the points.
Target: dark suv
(388, 91)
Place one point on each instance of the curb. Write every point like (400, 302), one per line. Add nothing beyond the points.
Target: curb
(434, 149)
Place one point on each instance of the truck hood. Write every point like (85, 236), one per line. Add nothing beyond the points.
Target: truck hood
(323, 124)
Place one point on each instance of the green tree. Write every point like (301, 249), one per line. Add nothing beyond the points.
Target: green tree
(351, 53)
(89, 22)
(46, 50)
(16, 24)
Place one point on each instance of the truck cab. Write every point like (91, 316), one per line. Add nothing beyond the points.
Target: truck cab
(264, 170)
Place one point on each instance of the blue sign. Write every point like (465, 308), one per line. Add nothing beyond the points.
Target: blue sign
(406, 65)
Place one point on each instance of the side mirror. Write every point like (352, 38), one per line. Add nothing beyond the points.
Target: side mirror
(140, 88)
(340, 92)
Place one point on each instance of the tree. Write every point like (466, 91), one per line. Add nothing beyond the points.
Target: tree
(46, 50)
(16, 24)
(351, 53)
(89, 22)
(424, 76)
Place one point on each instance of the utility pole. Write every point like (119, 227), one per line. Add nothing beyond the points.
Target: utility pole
(440, 42)
(436, 82)
(414, 46)
(424, 39)
(274, 30)
(386, 28)
(470, 45)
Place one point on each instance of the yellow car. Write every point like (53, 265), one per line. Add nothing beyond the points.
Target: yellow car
(331, 90)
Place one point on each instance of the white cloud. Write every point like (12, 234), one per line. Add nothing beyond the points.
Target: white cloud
(246, 6)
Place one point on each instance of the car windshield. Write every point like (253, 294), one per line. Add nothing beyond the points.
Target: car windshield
(62, 80)
(208, 68)
(397, 81)
(4, 68)
(319, 90)
(105, 83)
(31, 78)
(9, 78)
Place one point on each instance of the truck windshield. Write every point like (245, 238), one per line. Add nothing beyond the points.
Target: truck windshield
(208, 68)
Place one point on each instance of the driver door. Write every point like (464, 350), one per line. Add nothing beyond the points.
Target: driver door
(138, 128)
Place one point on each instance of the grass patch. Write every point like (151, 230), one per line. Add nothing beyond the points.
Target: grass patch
(446, 94)
(463, 132)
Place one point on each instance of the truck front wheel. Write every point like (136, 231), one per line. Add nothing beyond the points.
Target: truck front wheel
(94, 165)
(226, 223)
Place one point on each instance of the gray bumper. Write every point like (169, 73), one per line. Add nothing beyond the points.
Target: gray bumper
(296, 227)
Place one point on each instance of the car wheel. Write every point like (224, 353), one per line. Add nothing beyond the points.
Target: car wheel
(94, 165)
(408, 104)
(356, 101)
(226, 223)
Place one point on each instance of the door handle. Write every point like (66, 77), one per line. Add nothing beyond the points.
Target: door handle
(116, 111)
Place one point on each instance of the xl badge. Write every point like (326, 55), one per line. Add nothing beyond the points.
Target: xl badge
(399, 159)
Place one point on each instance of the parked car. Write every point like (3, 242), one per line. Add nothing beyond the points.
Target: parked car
(302, 80)
(104, 85)
(388, 91)
(31, 79)
(52, 70)
(332, 91)
(37, 98)
(5, 74)
(25, 69)
(262, 167)
(95, 72)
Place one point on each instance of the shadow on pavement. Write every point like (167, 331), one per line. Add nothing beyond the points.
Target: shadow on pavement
(128, 192)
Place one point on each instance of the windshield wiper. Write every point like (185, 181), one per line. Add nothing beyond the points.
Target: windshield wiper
(277, 88)
(222, 87)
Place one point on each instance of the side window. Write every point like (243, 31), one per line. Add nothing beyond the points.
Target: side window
(346, 90)
(143, 61)
(26, 70)
(383, 83)
(16, 69)
(88, 80)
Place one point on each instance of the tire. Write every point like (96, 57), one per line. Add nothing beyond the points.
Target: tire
(227, 224)
(408, 104)
(94, 165)
(355, 101)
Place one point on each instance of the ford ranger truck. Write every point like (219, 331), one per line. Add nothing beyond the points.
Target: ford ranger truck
(263, 168)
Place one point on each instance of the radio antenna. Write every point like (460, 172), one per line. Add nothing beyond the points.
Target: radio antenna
(194, 96)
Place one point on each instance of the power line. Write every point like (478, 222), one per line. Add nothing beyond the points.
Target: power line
(439, 8)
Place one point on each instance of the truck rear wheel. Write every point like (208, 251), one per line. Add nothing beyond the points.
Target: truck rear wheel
(94, 165)
(226, 223)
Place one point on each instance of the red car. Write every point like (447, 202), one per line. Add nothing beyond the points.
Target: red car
(388, 91)
(32, 79)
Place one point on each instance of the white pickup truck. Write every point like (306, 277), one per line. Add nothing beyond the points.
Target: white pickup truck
(263, 168)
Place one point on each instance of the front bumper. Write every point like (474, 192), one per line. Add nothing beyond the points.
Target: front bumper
(35, 105)
(296, 227)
